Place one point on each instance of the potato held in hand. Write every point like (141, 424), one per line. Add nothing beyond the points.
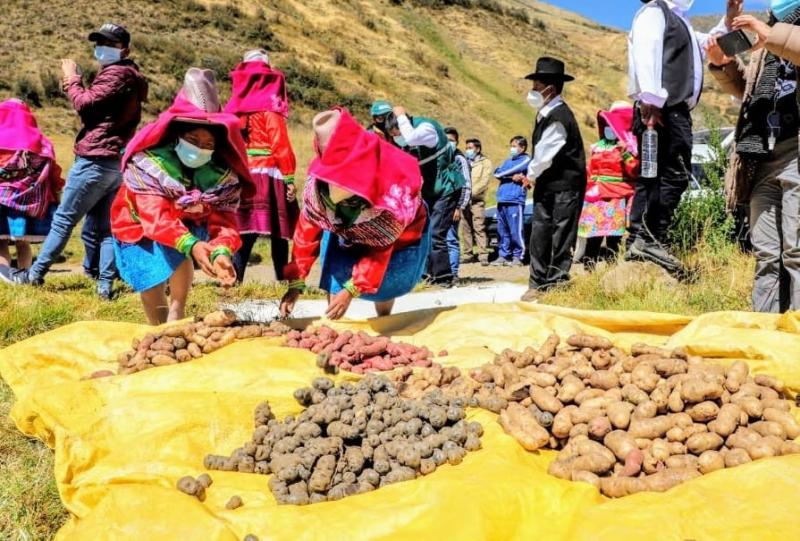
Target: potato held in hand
(521, 424)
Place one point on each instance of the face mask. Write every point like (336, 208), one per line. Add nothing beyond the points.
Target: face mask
(400, 140)
(783, 8)
(470, 153)
(514, 152)
(107, 55)
(683, 5)
(452, 145)
(535, 99)
(609, 134)
(191, 155)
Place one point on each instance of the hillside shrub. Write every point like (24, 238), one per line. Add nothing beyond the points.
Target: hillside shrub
(27, 90)
(51, 86)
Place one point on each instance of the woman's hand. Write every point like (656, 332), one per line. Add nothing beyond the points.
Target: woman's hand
(339, 304)
(716, 56)
(760, 28)
(224, 271)
(457, 216)
(291, 192)
(288, 301)
(201, 253)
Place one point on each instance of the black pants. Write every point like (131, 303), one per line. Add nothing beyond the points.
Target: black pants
(655, 199)
(553, 234)
(280, 254)
(441, 216)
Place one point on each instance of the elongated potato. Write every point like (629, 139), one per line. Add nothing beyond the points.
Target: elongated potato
(650, 428)
(790, 425)
(545, 401)
(706, 441)
(727, 420)
(620, 443)
(710, 461)
(703, 412)
(619, 413)
(521, 424)
(769, 428)
(737, 457)
(768, 381)
(736, 376)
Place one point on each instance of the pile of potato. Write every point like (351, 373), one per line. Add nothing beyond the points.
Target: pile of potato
(188, 341)
(626, 423)
(358, 352)
(352, 439)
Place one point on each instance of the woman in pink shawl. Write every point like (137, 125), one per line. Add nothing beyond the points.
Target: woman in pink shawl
(612, 168)
(30, 181)
(258, 98)
(362, 215)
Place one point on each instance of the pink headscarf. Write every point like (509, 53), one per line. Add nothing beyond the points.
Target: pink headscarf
(620, 119)
(257, 87)
(368, 166)
(182, 110)
(19, 131)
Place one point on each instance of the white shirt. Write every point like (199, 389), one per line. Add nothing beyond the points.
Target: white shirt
(466, 191)
(423, 135)
(553, 140)
(646, 50)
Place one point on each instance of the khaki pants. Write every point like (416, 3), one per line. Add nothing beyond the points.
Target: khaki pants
(473, 229)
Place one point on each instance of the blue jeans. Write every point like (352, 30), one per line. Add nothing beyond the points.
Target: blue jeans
(91, 247)
(91, 187)
(454, 249)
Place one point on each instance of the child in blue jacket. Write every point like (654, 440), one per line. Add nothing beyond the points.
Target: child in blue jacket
(511, 195)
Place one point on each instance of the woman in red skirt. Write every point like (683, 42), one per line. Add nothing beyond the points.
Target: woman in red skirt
(258, 98)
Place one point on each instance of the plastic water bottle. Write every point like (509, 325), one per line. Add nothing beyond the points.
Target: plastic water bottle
(649, 153)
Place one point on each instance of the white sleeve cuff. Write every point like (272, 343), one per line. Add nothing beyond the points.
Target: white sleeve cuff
(657, 100)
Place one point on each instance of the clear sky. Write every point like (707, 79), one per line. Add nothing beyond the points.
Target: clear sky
(619, 13)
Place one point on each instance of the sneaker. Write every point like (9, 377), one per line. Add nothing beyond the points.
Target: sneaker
(532, 295)
(516, 263)
(18, 277)
(499, 262)
(105, 291)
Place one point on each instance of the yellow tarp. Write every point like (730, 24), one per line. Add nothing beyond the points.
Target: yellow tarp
(121, 443)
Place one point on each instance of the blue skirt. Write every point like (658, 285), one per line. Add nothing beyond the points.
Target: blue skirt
(15, 225)
(147, 264)
(404, 272)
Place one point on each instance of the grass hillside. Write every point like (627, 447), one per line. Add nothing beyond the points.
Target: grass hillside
(460, 61)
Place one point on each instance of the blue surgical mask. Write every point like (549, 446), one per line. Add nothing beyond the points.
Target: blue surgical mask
(191, 155)
(107, 55)
(514, 152)
(470, 153)
(609, 134)
(452, 145)
(400, 140)
(783, 8)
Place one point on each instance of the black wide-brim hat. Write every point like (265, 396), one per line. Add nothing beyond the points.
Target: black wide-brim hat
(548, 68)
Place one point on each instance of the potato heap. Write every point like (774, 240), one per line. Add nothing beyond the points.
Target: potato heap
(357, 352)
(628, 423)
(189, 341)
(352, 439)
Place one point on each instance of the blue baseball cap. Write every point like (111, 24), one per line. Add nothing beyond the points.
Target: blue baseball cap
(380, 108)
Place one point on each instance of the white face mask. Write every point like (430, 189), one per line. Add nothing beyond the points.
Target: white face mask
(683, 5)
(535, 99)
(191, 155)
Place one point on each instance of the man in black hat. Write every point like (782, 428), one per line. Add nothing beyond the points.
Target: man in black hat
(558, 173)
(110, 109)
(665, 58)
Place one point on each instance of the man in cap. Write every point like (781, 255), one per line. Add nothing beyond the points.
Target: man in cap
(379, 110)
(558, 173)
(110, 109)
(665, 71)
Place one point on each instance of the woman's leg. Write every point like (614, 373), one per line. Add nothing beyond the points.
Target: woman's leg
(384, 308)
(5, 254)
(242, 256)
(154, 301)
(24, 254)
(179, 285)
(280, 254)
(765, 233)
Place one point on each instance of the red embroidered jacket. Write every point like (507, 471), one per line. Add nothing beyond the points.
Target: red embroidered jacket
(136, 216)
(368, 273)
(268, 143)
(611, 171)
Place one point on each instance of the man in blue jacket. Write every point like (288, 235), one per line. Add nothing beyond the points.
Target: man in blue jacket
(511, 195)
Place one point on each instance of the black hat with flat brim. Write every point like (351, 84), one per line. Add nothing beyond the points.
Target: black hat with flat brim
(550, 69)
